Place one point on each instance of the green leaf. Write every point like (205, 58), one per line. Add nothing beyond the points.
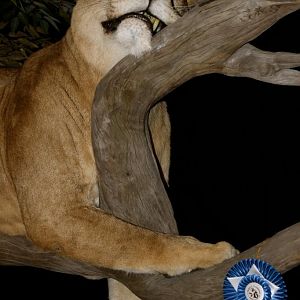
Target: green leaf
(44, 26)
(21, 6)
(32, 31)
(28, 43)
(68, 5)
(17, 34)
(40, 4)
(51, 22)
(36, 19)
(23, 18)
(48, 15)
(64, 15)
(14, 2)
(29, 9)
(14, 24)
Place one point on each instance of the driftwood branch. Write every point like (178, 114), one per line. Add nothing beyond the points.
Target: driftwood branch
(208, 39)
(282, 251)
(207, 284)
(216, 41)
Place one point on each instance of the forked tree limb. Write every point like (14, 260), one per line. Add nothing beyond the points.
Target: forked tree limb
(208, 39)
(276, 68)
(216, 41)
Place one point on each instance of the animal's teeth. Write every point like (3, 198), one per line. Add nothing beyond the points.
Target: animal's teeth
(155, 22)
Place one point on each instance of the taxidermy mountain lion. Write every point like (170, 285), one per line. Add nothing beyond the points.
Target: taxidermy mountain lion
(48, 178)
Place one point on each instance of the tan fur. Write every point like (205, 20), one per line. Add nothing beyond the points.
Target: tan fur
(11, 222)
(47, 169)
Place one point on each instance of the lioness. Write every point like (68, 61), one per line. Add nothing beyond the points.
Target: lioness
(48, 178)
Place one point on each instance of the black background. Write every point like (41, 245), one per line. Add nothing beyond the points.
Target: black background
(235, 170)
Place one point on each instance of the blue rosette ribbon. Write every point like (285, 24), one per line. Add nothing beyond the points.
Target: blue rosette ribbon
(254, 279)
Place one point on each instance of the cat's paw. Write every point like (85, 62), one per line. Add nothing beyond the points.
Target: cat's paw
(226, 251)
(193, 254)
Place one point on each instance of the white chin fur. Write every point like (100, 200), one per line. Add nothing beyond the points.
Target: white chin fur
(134, 35)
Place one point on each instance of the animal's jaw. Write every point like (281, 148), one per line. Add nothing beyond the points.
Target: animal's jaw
(153, 23)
